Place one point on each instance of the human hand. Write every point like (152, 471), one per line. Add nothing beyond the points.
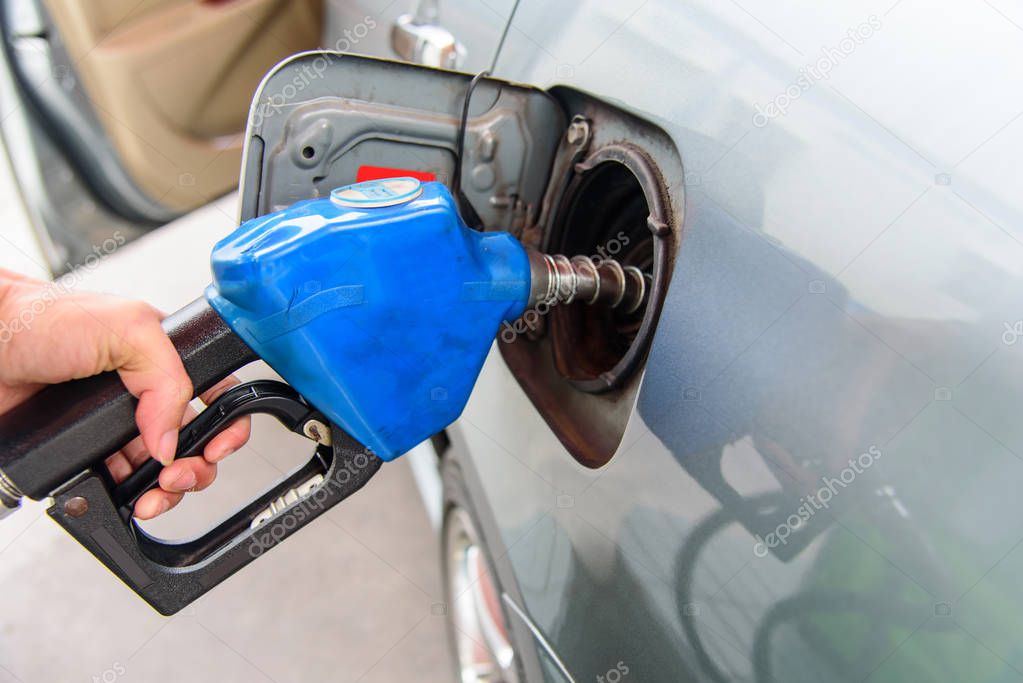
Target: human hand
(52, 337)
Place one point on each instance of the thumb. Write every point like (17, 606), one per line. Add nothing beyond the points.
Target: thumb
(152, 371)
(81, 335)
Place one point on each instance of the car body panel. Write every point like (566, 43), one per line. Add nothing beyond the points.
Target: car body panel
(476, 25)
(847, 287)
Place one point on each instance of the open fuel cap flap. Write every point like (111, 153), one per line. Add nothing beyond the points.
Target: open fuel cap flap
(369, 115)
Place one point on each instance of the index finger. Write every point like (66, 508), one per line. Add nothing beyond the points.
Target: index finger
(232, 438)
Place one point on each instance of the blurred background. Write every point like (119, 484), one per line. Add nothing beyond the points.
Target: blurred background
(124, 115)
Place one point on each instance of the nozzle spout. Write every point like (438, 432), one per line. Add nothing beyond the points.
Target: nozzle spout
(559, 279)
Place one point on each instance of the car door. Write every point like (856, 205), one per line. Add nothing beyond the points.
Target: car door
(123, 114)
(460, 34)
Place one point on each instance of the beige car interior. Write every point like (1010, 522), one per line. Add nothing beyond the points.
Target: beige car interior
(171, 81)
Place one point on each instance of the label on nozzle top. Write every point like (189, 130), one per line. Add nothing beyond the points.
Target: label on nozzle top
(374, 194)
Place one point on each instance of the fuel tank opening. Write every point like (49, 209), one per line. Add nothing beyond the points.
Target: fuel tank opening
(605, 214)
(614, 198)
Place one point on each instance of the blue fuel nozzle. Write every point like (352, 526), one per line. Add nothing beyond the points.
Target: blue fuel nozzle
(379, 305)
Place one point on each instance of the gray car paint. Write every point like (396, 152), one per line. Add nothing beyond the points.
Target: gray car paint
(848, 283)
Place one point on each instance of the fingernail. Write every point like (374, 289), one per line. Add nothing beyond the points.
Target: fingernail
(166, 448)
(147, 512)
(184, 481)
(223, 454)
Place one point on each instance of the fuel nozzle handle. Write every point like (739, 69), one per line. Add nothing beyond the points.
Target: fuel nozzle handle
(67, 428)
(557, 278)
